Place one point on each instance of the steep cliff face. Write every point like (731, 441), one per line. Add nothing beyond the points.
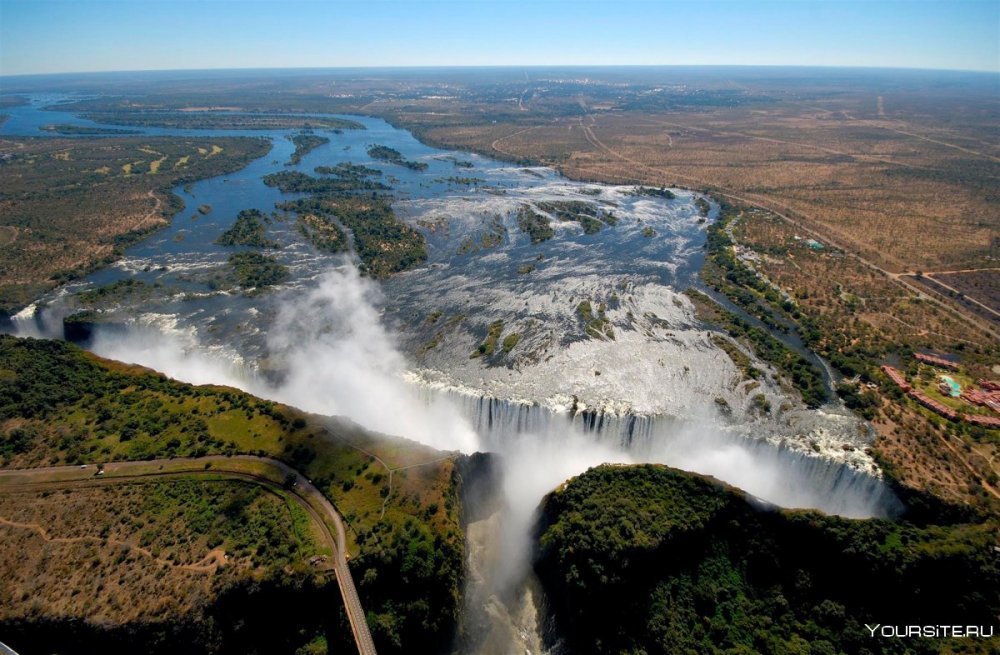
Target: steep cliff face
(650, 559)
(757, 457)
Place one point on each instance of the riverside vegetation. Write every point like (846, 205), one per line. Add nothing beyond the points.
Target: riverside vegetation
(384, 244)
(393, 156)
(60, 405)
(891, 186)
(305, 142)
(856, 319)
(107, 193)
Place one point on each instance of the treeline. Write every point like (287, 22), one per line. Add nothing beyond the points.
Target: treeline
(806, 377)
(216, 120)
(728, 275)
(653, 192)
(298, 182)
(348, 171)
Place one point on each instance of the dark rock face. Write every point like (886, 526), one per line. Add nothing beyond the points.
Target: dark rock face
(480, 477)
(80, 328)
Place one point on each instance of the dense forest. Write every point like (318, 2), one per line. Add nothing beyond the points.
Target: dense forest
(384, 244)
(648, 559)
(247, 230)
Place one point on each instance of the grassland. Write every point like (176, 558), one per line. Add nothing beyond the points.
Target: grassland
(135, 558)
(904, 179)
(60, 405)
(906, 191)
(106, 193)
(857, 319)
(891, 183)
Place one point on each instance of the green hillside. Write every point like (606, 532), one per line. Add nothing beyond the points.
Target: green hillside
(648, 559)
(61, 405)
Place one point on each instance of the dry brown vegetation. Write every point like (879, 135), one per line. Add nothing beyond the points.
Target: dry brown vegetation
(926, 454)
(67, 205)
(923, 451)
(978, 289)
(891, 183)
(140, 552)
(60, 405)
(908, 197)
(827, 281)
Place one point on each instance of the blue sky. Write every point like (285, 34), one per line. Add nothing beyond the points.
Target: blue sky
(43, 36)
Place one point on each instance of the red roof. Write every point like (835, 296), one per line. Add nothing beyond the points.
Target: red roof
(935, 360)
(985, 421)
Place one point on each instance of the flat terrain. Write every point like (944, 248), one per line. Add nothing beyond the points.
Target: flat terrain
(849, 185)
(143, 551)
(910, 197)
(69, 205)
(858, 318)
(900, 167)
(317, 530)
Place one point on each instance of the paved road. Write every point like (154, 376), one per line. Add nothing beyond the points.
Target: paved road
(260, 470)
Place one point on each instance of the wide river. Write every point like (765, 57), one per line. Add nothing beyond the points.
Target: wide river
(598, 355)
(647, 366)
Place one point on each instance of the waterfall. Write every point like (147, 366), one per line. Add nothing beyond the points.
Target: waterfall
(773, 471)
(540, 447)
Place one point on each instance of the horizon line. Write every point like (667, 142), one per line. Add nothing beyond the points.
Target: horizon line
(498, 66)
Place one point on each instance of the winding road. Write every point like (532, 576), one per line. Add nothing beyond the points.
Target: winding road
(270, 473)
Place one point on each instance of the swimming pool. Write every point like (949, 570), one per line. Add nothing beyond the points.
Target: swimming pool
(956, 388)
